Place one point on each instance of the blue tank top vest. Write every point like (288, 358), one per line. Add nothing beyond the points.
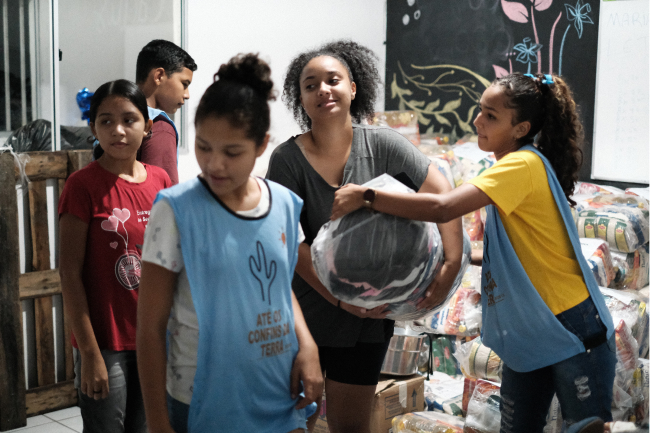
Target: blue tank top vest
(517, 324)
(240, 271)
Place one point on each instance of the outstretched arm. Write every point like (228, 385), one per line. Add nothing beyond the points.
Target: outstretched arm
(451, 234)
(437, 208)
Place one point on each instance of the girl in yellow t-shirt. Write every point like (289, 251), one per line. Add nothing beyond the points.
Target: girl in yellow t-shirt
(542, 310)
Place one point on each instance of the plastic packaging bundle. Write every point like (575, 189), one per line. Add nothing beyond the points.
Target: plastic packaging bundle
(619, 219)
(554, 417)
(631, 269)
(627, 349)
(599, 259)
(641, 192)
(621, 228)
(472, 159)
(483, 415)
(370, 258)
(446, 160)
(443, 393)
(460, 316)
(629, 308)
(427, 422)
(592, 188)
(404, 122)
(479, 361)
(473, 225)
(640, 391)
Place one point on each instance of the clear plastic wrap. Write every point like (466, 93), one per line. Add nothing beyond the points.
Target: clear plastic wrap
(472, 159)
(554, 417)
(446, 160)
(631, 269)
(461, 315)
(479, 361)
(483, 414)
(592, 188)
(631, 309)
(619, 219)
(627, 349)
(405, 122)
(427, 422)
(444, 393)
(473, 225)
(370, 258)
(599, 259)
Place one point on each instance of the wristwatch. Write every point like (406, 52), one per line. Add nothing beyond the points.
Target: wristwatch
(369, 197)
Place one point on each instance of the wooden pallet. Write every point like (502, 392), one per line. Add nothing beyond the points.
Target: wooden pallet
(41, 284)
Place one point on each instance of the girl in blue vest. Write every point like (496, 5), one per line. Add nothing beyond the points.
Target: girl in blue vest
(542, 311)
(218, 259)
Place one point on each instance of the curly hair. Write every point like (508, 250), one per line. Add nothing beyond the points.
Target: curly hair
(552, 114)
(361, 64)
(240, 92)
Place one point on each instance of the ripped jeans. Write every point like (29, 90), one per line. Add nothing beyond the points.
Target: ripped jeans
(583, 383)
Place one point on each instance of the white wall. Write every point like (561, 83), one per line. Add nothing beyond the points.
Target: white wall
(278, 30)
(101, 40)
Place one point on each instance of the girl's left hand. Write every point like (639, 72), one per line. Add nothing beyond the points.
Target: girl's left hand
(306, 368)
(347, 199)
(437, 291)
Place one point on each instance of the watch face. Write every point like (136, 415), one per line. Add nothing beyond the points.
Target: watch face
(369, 195)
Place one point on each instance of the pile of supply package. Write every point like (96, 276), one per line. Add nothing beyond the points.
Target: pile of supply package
(462, 390)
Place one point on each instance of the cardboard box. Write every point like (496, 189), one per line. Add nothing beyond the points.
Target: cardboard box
(393, 396)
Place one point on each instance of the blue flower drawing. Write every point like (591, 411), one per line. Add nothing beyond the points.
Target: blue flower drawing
(577, 15)
(527, 53)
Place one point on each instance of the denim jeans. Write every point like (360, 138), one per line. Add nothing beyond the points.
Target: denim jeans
(583, 383)
(123, 410)
(179, 413)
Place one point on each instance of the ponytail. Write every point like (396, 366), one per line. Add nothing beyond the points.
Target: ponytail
(547, 103)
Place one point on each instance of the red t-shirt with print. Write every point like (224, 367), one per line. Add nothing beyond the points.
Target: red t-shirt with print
(117, 212)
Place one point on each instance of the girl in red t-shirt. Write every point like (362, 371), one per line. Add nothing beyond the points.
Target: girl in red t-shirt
(103, 212)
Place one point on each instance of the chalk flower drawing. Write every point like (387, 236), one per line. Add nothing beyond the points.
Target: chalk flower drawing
(455, 80)
(578, 15)
(527, 53)
(519, 13)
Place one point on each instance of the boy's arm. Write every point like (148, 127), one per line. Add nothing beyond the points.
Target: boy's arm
(155, 298)
(94, 376)
(306, 366)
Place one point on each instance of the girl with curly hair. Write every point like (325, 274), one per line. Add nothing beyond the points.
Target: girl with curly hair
(543, 313)
(330, 91)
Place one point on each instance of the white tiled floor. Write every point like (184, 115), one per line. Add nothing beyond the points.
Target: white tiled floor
(62, 421)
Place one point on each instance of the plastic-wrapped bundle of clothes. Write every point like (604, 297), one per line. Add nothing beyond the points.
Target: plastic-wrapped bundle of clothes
(370, 258)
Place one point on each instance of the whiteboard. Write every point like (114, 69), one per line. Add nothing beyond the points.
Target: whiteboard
(621, 132)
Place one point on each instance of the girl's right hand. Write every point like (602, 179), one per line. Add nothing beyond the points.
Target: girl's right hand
(379, 312)
(94, 377)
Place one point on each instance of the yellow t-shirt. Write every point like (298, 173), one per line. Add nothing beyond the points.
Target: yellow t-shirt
(518, 185)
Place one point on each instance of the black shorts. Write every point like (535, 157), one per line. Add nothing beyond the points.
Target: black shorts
(358, 365)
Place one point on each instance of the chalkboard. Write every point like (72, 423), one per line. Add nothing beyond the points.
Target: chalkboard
(621, 131)
(442, 54)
